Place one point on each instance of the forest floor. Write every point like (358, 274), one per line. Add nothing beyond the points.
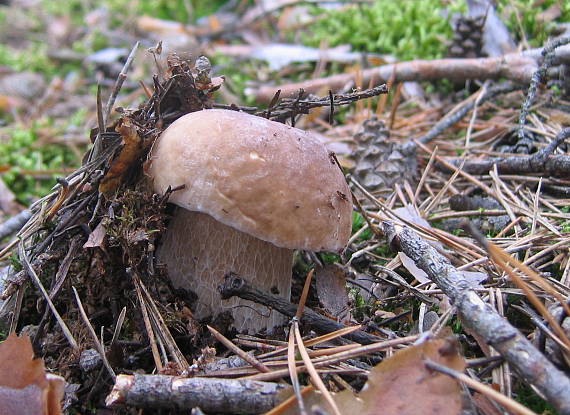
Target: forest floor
(452, 132)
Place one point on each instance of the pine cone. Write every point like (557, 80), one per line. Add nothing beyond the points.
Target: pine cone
(381, 162)
(467, 38)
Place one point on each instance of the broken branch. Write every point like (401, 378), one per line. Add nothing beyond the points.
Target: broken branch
(210, 394)
(517, 67)
(483, 319)
(237, 286)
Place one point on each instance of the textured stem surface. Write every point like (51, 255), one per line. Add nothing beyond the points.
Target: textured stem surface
(199, 251)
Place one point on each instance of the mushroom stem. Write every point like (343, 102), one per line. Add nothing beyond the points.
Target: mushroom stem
(199, 251)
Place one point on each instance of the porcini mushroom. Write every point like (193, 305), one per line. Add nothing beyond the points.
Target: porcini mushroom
(254, 190)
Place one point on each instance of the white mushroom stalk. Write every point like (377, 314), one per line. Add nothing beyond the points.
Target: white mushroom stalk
(254, 191)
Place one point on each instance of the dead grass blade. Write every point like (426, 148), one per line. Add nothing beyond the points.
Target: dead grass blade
(292, 367)
(96, 341)
(163, 330)
(37, 282)
(313, 372)
(315, 341)
(148, 326)
(503, 259)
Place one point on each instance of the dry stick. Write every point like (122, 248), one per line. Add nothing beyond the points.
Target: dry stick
(517, 67)
(543, 162)
(457, 114)
(245, 356)
(482, 319)
(15, 223)
(119, 83)
(103, 116)
(227, 396)
(236, 286)
(35, 279)
(507, 402)
(98, 344)
(537, 78)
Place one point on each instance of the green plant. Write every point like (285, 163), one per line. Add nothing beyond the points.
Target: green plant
(409, 30)
(33, 58)
(178, 10)
(329, 258)
(525, 15)
(20, 155)
(357, 223)
(528, 397)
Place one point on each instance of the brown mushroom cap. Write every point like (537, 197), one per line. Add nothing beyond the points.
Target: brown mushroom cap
(264, 178)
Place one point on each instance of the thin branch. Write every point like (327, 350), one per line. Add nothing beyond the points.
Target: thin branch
(482, 319)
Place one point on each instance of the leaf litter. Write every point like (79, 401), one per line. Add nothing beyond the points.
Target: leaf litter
(119, 222)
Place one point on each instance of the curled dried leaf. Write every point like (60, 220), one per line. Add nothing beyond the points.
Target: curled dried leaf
(25, 387)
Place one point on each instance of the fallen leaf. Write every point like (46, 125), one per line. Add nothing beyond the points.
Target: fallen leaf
(96, 237)
(25, 387)
(132, 150)
(402, 384)
(410, 265)
(331, 290)
(384, 314)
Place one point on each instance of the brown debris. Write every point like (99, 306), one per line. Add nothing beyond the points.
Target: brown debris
(25, 387)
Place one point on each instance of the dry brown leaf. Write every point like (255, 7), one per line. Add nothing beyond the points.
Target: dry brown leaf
(331, 290)
(24, 385)
(384, 314)
(96, 237)
(132, 150)
(402, 384)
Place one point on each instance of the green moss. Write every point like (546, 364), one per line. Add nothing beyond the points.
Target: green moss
(358, 222)
(237, 76)
(171, 9)
(20, 153)
(34, 58)
(535, 30)
(329, 258)
(408, 30)
(526, 396)
(15, 262)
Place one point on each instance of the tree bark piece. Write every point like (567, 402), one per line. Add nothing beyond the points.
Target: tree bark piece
(482, 319)
(209, 394)
(518, 67)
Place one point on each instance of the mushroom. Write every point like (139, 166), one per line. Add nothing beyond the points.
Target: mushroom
(254, 190)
